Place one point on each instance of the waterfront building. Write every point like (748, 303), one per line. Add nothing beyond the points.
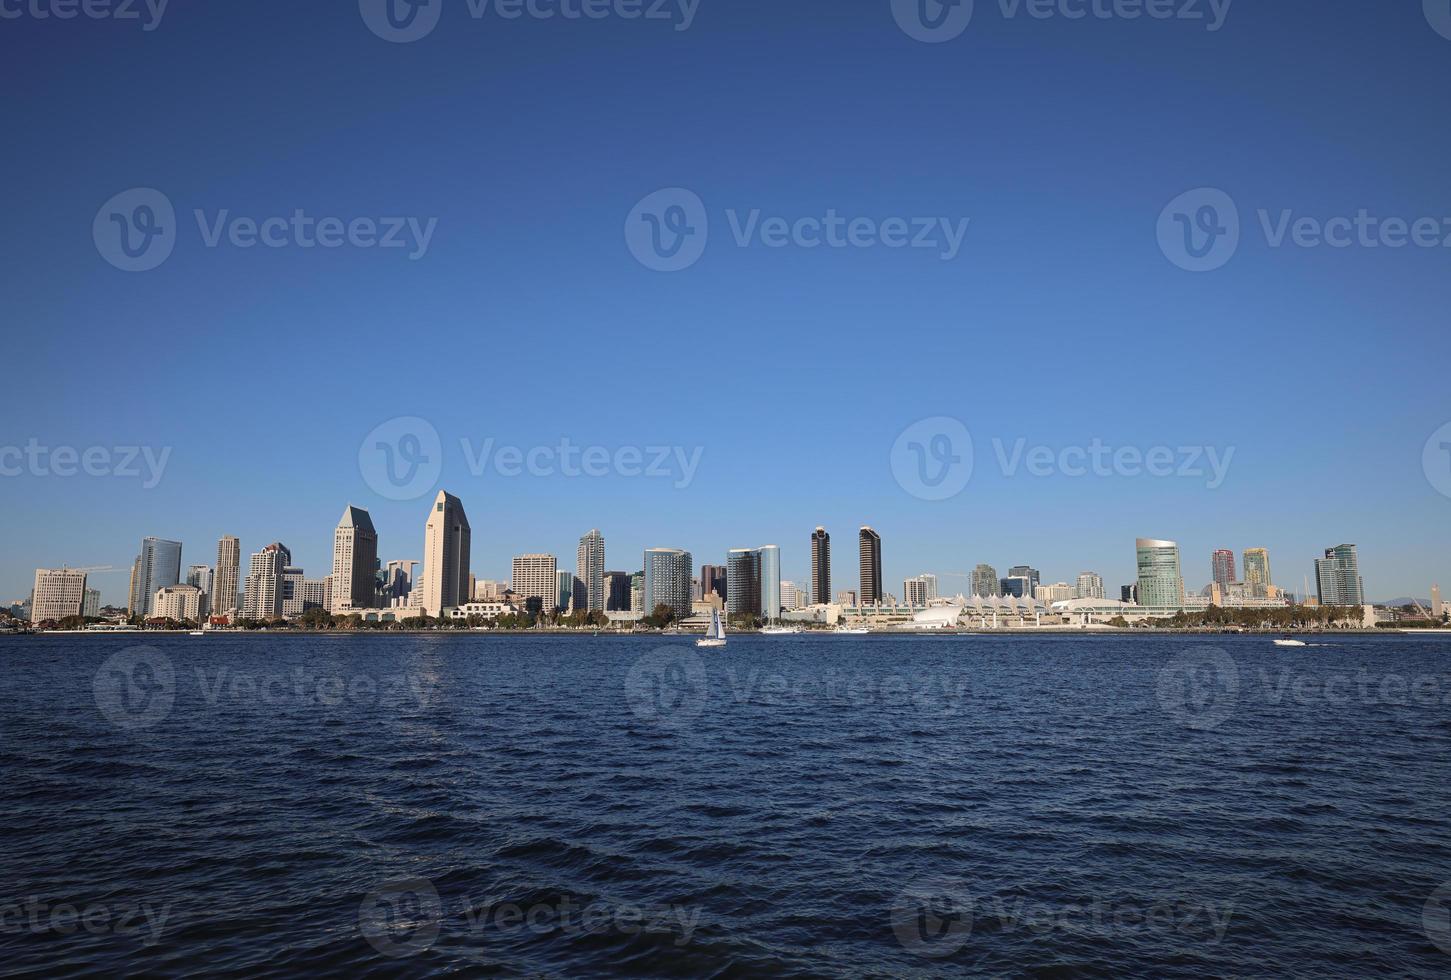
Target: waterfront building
(985, 581)
(1257, 572)
(227, 576)
(398, 582)
(355, 561)
(1057, 592)
(1017, 586)
(793, 598)
(488, 590)
(1090, 586)
(292, 592)
(743, 582)
(914, 591)
(637, 593)
(820, 567)
(1337, 577)
(316, 593)
(1161, 582)
(265, 583)
(91, 604)
(1129, 593)
(158, 565)
(59, 592)
(447, 540)
(1028, 572)
(713, 579)
(846, 597)
(590, 567)
(537, 577)
(1222, 568)
(201, 577)
(870, 565)
(1437, 608)
(570, 593)
(617, 591)
(179, 602)
(667, 580)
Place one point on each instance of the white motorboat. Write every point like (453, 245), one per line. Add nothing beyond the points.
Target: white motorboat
(857, 631)
(1290, 641)
(779, 631)
(715, 635)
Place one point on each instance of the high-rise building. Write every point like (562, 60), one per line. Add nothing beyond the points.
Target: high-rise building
(446, 544)
(59, 592)
(713, 579)
(985, 581)
(537, 577)
(617, 591)
(667, 580)
(91, 604)
(179, 602)
(1129, 593)
(1257, 578)
(1028, 572)
(820, 567)
(355, 560)
(200, 576)
(1337, 577)
(846, 597)
(1090, 586)
(1438, 609)
(915, 591)
(227, 576)
(564, 589)
(316, 593)
(869, 562)
(265, 583)
(637, 592)
(1161, 582)
(292, 579)
(591, 569)
(1018, 586)
(792, 597)
(1055, 592)
(1222, 565)
(158, 565)
(743, 582)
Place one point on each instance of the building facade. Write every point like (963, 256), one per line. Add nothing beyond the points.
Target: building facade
(1090, 586)
(820, 567)
(265, 584)
(179, 602)
(591, 569)
(617, 591)
(667, 580)
(1257, 572)
(985, 581)
(1337, 577)
(870, 565)
(157, 566)
(1161, 581)
(1222, 568)
(447, 540)
(536, 577)
(713, 579)
(355, 562)
(59, 592)
(227, 576)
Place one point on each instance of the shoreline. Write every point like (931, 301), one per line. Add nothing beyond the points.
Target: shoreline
(584, 634)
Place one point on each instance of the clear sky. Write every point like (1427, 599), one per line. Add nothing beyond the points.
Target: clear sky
(526, 318)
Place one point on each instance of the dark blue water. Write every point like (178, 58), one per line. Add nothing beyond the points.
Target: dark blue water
(793, 806)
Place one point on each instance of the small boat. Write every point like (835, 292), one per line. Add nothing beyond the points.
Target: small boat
(197, 633)
(856, 631)
(1290, 641)
(715, 635)
(779, 631)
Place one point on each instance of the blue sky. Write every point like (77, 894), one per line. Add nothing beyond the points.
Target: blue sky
(527, 319)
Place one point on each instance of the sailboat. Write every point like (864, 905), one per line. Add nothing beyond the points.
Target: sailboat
(715, 635)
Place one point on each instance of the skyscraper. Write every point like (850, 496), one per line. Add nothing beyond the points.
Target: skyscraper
(743, 582)
(355, 559)
(265, 584)
(591, 569)
(914, 591)
(1018, 586)
(446, 543)
(820, 567)
(617, 591)
(91, 605)
(667, 580)
(1257, 581)
(564, 589)
(537, 577)
(713, 579)
(1160, 580)
(1222, 565)
(200, 576)
(227, 575)
(157, 566)
(1437, 607)
(59, 592)
(985, 581)
(1028, 572)
(870, 565)
(1090, 586)
(398, 580)
(1337, 577)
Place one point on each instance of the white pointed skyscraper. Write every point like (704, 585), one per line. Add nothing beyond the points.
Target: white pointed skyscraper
(355, 561)
(590, 568)
(446, 539)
